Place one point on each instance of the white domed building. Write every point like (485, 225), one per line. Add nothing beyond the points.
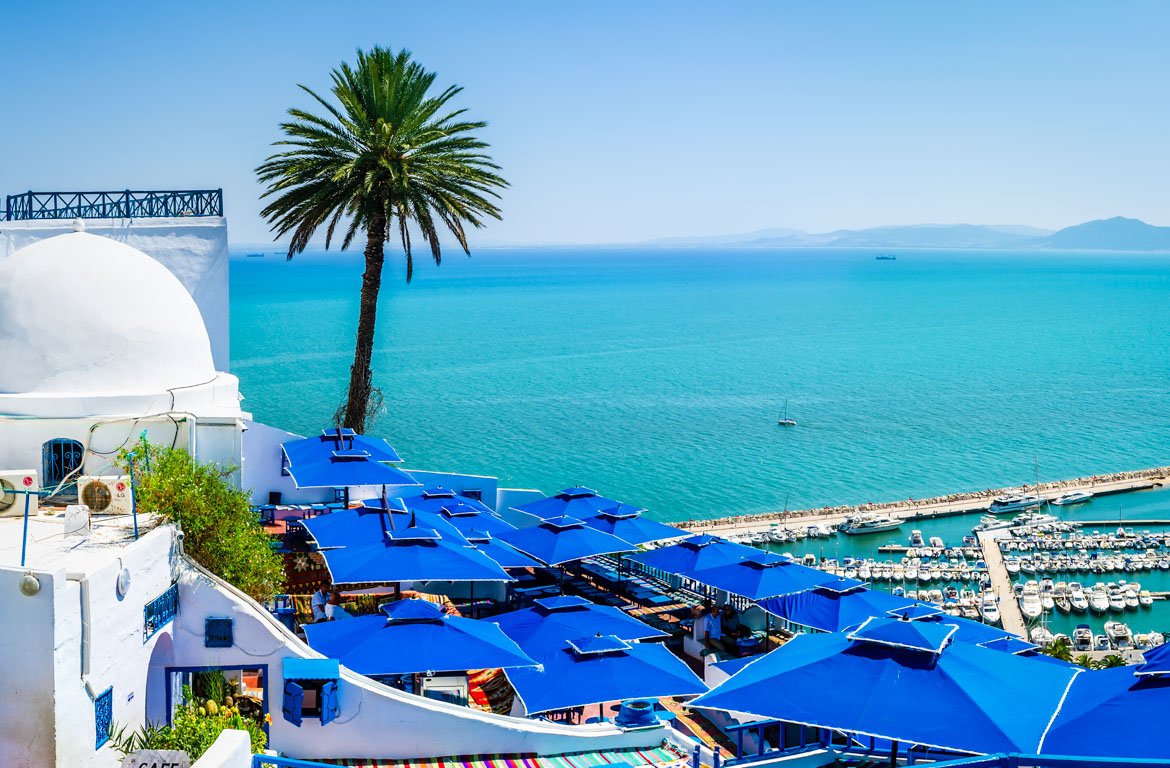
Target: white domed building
(99, 343)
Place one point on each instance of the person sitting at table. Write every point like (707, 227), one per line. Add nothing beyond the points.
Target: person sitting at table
(729, 621)
(714, 630)
(333, 609)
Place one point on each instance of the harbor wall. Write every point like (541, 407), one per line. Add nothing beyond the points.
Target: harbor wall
(194, 249)
(375, 721)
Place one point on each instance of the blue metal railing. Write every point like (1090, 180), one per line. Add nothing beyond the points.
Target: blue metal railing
(126, 204)
(160, 611)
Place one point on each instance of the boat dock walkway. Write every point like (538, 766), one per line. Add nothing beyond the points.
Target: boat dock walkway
(1001, 583)
(912, 510)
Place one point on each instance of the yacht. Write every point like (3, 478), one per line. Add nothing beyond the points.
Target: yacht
(784, 421)
(991, 523)
(916, 539)
(1100, 643)
(989, 608)
(1033, 519)
(1120, 636)
(1015, 502)
(1063, 603)
(1116, 601)
(1030, 602)
(869, 524)
(1131, 599)
(1098, 599)
(1082, 638)
(1145, 599)
(1041, 635)
(1072, 497)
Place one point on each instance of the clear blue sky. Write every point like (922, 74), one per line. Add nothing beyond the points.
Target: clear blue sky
(620, 121)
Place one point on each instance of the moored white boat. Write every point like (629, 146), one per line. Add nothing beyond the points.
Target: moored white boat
(1072, 497)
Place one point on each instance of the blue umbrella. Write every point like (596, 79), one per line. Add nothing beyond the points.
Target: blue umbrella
(694, 554)
(1118, 713)
(598, 668)
(345, 468)
(435, 497)
(573, 502)
(551, 621)
(627, 523)
(834, 606)
(308, 450)
(1008, 644)
(411, 554)
(563, 539)
(762, 575)
(415, 636)
(903, 681)
(369, 524)
(506, 556)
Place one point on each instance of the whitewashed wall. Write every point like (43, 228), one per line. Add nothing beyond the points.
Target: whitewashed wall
(46, 710)
(194, 249)
(375, 721)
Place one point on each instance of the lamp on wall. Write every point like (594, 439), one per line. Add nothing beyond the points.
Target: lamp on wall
(30, 585)
(123, 585)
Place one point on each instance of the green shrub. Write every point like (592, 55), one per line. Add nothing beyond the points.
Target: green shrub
(221, 532)
(193, 730)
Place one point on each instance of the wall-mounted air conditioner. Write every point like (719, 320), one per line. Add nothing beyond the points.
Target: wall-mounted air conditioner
(11, 482)
(106, 495)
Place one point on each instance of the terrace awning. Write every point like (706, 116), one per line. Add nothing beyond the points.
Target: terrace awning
(828, 609)
(552, 620)
(415, 636)
(561, 540)
(904, 681)
(346, 468)
(1118, 713)
(629, 524)
(573, 502)
(320, 447)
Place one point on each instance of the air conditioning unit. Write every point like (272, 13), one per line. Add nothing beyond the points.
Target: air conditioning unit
(11, 482)
(106, 495)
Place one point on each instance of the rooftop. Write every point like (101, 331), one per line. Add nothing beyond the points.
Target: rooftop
(49, 548)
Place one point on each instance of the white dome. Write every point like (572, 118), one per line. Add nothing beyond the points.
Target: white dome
(86, 315)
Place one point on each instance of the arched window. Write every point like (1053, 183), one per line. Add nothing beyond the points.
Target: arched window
(61, 458)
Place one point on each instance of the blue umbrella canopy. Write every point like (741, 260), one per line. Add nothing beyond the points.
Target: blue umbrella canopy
(415, 636)
(411, 554)
(368, 524)
(762, 575)
(344, 468)
(1118, 713)
(834, 606)
(573, 502)
(627, 523)
(551, 621)
(888, 681)
(506, 556)
(563, 539)
(694, 554)
(320, 447)
(1008, 644)
(435, 497)
(598, 668)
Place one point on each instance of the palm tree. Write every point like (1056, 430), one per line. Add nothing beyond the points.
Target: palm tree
(1059, 648)
(388, 155)
(1086, 661)
(1110, 661)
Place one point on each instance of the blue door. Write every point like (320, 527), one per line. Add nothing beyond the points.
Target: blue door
(61, 461)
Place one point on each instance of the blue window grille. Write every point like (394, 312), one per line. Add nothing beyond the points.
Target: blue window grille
(217, 632)
(103, 716)
(61, 458)
(160, 611)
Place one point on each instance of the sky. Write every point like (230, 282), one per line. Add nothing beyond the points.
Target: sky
(621, 122)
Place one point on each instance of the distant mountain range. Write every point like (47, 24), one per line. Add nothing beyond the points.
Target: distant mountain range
(1116, 234)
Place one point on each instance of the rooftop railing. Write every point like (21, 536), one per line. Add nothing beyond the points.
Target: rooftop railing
(126, 204)
(1046, 761)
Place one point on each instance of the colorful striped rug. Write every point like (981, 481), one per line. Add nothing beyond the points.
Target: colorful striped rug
(659, 757)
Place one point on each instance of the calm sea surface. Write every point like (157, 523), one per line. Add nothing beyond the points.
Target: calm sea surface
(657, 376)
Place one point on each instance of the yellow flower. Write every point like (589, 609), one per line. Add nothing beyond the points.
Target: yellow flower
(268, 719)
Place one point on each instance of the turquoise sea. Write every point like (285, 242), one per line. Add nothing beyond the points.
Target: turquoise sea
(656, 376)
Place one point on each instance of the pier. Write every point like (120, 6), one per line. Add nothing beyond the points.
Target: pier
(1001, 584)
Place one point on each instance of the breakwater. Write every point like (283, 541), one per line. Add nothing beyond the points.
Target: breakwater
(938, 506)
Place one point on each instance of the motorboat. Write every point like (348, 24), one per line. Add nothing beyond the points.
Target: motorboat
(1015, 502)
(1120, 636)
(1131, 599)
(1145, 599)
(1100, 643)
(1098, 599)
(991, 523)
(869, 524)
(1012, 565)
(1082, 638)
(1033, 519)
(1047, 601)
(916, 539)
(1072, 497)
(989, 608)
(1116, 601)
(937, 542)
(1030, 604)
(1063, 603)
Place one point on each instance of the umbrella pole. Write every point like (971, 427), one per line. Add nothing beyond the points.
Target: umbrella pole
(893, 754)
(471, 605)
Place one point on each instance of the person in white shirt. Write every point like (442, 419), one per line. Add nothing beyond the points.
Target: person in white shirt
(318, 602)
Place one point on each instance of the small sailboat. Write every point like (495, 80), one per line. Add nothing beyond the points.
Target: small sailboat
(784, 421)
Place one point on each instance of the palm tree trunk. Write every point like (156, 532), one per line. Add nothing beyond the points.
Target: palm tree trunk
(357, 402)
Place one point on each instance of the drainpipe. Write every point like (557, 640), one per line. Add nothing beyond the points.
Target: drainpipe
(86, 628)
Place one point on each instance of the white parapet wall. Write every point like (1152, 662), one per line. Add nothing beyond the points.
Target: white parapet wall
(375, 721)
(194, 249)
